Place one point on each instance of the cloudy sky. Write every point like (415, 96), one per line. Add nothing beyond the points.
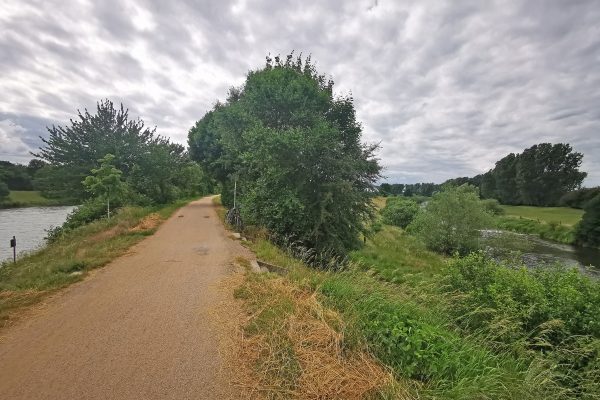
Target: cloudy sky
(447, 88)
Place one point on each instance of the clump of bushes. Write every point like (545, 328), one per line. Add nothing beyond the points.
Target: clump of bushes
(588, 231)
(492, 206)
(400, 211)
(551, 231)
(547, 313)
(451, 221)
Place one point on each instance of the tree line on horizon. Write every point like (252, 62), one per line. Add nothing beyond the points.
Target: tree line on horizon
(542, 175)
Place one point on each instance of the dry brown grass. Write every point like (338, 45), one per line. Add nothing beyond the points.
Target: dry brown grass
(151, 221)
(288, 345)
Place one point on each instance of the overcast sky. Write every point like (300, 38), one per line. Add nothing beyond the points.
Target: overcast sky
(447, 88)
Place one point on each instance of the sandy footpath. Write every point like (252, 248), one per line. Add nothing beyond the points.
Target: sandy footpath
(139, 328)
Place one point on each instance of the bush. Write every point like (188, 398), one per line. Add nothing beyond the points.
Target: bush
(579, 198)
(89, 211)
(493, 206)
(399, 212)
(549, 312)
(588, 230)
(452, 220)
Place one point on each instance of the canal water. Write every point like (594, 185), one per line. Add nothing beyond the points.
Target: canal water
(535, 252)
(29, 226)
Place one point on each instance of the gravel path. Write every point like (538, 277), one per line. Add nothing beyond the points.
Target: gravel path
(139, 328)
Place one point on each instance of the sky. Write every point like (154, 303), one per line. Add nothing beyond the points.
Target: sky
(446, 87)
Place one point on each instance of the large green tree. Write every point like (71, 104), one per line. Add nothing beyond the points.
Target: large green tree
(151, 165)
(545, 172)
(539, 176)
(295, 151)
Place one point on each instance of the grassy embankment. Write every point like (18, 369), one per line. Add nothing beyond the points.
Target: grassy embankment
(30, 198)
(553, 223)
(67, 260)
(413, 311)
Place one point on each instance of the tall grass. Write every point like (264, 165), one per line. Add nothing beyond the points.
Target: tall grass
(405, 326)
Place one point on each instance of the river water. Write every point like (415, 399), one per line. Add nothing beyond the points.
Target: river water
(535, 252)
(29, 226)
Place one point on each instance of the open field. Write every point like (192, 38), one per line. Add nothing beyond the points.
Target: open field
(560, 215)
(29, 198)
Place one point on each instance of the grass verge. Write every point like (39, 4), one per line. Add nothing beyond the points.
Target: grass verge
(30, 198)
(556, 215)
(68, 259)
(297, 347)
(550, 231)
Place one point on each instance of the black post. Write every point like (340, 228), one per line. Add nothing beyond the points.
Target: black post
(13, 244)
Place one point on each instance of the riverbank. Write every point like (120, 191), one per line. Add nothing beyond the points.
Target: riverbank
(30, 198)
(71, 257)
(448, 327)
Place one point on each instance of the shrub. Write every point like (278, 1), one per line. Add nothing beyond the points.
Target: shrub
(399, 212)
(550, 312)
(588, 230)
(493, 206)
(452, 220)
(89, 211)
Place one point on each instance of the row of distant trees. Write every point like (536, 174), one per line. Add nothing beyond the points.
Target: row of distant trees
(542, 175)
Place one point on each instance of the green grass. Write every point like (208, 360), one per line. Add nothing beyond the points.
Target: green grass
(67, 260)
(559, 215)
(391, 304)
(29, 198)
(397, 256)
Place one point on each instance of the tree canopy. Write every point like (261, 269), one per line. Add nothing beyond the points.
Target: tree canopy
(295, 151)
(156, 170)
(539, 176)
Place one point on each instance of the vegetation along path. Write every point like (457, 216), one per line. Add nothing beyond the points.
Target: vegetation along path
(137, 329)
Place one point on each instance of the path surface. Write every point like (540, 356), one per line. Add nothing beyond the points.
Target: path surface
(139, 328)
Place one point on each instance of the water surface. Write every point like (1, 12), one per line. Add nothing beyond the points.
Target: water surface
(29, 226)
(535, 251)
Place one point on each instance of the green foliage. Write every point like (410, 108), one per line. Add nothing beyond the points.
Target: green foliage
(295, 151)
(106, 180)
(588, 231)
(452, 220)
(552, 313)
(89, 211)
(539, 176)
(579, 198)
(154, 168)
(4, 192)
(493, 206)
(400, 211)
(16, 176)
(551, 231)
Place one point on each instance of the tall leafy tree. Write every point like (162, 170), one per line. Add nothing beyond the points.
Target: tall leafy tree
(545, 172)
(295, 151)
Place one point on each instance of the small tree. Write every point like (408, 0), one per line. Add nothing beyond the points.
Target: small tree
(105, 181)
(452, 220)
(588, 230)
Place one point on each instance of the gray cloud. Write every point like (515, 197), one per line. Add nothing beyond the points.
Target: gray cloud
(447, 88)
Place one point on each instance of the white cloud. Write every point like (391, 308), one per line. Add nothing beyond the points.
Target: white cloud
(446, 87)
